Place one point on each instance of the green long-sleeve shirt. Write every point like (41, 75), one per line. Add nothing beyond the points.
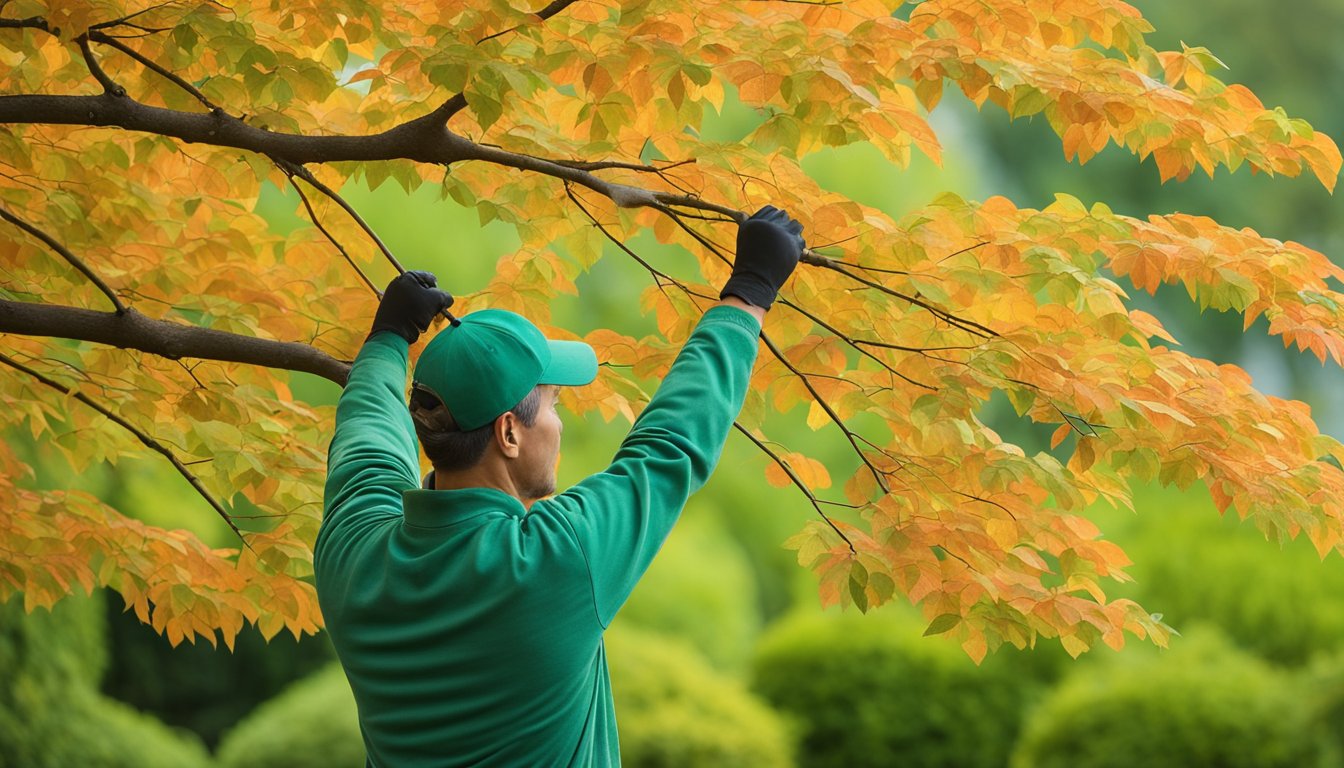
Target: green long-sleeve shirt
(470, 628)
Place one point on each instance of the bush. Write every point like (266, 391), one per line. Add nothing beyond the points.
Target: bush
(700, 588)
(1281, 603)
(312, 724)
(51, 715)
(66, 645)
(1322, 691)
(673, 710)
(1202, 703)
(870, 690)
(198, 686)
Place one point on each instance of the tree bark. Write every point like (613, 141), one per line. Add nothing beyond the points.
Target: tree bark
(133, 330)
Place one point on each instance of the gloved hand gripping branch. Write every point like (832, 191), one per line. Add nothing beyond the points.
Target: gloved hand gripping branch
(769, 245)
(410, 304)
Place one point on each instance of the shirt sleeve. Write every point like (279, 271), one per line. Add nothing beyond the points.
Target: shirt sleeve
(622, 516)
(373, 455)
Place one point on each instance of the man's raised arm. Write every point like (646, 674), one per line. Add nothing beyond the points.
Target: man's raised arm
(622, 516)
(373, 456)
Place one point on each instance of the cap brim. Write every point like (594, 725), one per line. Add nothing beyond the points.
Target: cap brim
(573, 364)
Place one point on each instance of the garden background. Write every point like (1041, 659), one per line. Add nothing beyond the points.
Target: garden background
(723, 657)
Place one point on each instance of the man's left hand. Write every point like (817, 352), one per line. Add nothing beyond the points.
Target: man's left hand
(410, 304)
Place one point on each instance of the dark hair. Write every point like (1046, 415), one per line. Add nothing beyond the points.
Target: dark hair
(450, 448)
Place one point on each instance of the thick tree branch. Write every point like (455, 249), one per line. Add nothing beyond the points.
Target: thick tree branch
(73, 260)
(140, 434)
(414, 140)
(132, 330)
(32, 22)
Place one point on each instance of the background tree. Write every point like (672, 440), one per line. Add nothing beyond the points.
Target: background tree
(137, 137)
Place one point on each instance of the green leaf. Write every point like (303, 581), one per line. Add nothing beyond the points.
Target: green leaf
(942, 624)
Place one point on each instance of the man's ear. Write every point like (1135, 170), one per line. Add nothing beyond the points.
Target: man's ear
(507, 434)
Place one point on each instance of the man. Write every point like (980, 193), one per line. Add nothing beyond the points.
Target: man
(468, 614)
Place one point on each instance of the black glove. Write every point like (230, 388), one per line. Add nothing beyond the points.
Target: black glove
(409, 305)
(769, 245)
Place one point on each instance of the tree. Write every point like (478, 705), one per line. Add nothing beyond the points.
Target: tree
(136, 137)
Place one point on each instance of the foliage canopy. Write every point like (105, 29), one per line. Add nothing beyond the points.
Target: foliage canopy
(135, 138)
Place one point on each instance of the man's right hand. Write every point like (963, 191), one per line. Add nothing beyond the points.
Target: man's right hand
(769, 245)
(410, 304)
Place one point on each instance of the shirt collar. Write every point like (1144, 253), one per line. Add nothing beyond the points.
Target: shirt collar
(440, 509)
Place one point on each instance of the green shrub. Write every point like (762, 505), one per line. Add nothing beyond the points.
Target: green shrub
(1202, 703)
(870, 690)
(312, 724)
(66, 644)
(51, 715)
(673, 710)
(1281, 603)
(198, 686)
(82, 728)
(1321, 689)
(700, 588)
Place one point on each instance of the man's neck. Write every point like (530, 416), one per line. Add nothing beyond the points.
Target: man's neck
(477, 478)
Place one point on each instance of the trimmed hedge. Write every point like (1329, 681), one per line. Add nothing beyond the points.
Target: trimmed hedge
(312, 724)
(51, 715)
(870, 690)
(673, 710)
(1202, 703)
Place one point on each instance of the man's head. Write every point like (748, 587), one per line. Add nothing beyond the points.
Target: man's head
(487, 387)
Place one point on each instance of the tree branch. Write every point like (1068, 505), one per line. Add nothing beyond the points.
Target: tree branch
(32, 22)
(65, 254)
(969, 326)
(416, 140)
(132, 330)
(140, 434)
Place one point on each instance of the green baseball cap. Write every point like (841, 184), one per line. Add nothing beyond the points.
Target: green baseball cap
(488, 361)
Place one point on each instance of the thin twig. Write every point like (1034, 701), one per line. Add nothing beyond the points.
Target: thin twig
(851, 342)
(99, 37)
(149, 442)
(65, 253)
(294, 169)
(970, 326)
(317, 222)
(849, 435)
(129, 16)
(967, 249)
(602, 165)
(798, 482)
(108, 85)
(555, 7)
(658, 274)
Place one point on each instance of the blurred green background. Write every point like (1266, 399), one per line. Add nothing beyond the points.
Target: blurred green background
(722, 657)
